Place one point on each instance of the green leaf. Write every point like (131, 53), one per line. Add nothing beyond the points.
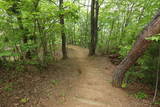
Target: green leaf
(155, 38)
(24, 100)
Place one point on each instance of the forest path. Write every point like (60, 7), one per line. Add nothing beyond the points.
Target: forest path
(93, 88)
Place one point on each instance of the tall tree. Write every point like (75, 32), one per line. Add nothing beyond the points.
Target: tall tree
(138, 49)
(94, 26)
(63, 36)
(16, 10)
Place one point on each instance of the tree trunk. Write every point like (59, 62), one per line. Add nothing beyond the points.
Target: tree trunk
(94, 26)
(25, 38)
(15, 8)
(91, 48)
(138, 49)
(96, 23)
(108, 39)
(63, 36)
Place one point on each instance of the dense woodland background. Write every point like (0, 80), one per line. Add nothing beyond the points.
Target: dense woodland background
(33, 31)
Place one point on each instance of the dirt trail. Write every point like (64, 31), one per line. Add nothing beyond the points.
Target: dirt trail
(93, 88)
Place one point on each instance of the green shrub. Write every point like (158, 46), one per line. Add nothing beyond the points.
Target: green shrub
(141, 95)
(133, 76)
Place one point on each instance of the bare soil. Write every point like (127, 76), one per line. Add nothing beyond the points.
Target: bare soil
(93, 88)
(80, 81)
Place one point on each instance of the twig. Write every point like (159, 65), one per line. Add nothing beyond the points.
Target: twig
(157, 79)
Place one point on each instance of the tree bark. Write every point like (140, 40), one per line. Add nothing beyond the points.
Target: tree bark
(91, 49)
(94, 26)
(63, 36)
(96, 23)
(138, 49)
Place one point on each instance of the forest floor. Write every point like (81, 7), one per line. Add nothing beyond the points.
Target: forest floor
(79, 81)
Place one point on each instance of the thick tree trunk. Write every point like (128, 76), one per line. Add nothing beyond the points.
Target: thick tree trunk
(138, 49)
(63, 36)
(94, 26)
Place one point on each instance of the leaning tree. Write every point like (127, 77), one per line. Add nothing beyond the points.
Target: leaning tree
(152, 29)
